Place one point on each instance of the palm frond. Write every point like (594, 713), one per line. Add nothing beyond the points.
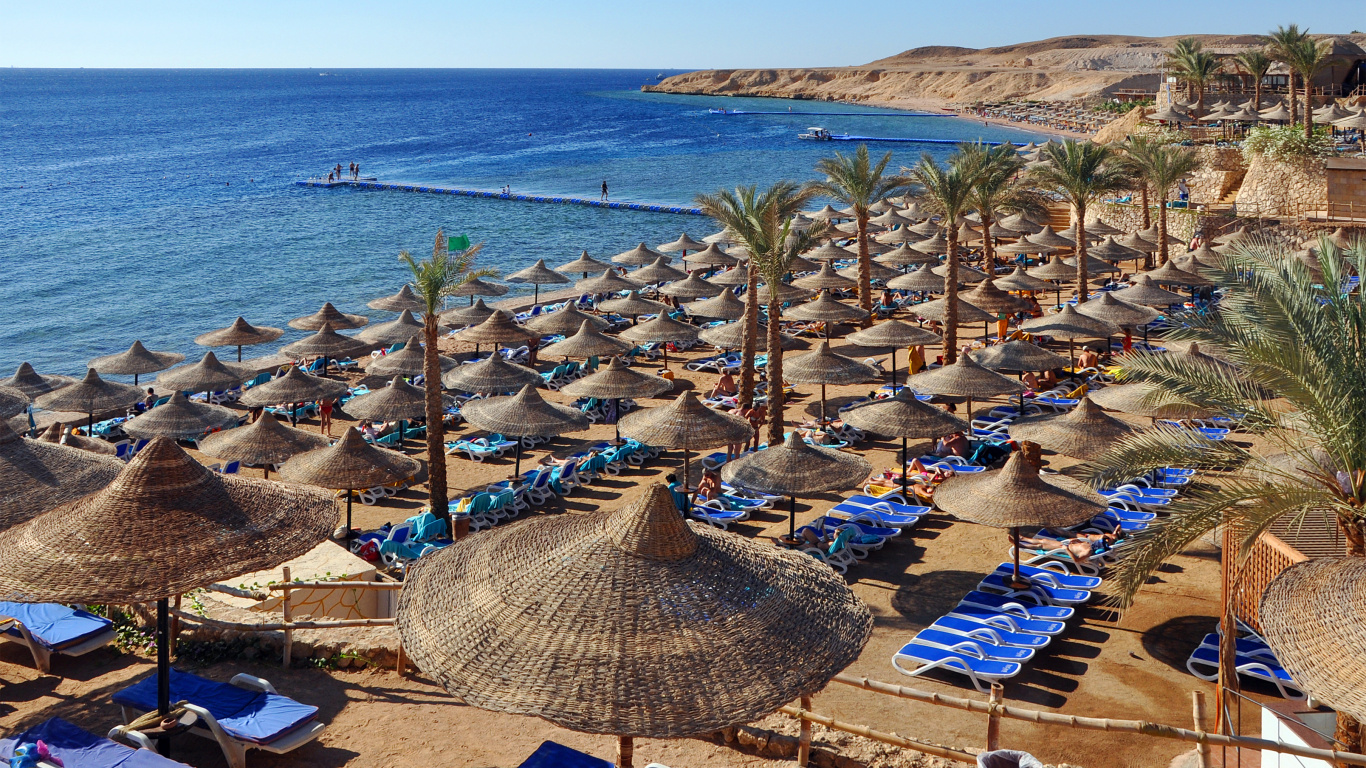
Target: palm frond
(1142, 452)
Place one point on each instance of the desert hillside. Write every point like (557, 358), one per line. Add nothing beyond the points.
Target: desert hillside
(1057, 69)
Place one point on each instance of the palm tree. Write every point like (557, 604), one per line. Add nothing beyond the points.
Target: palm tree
(1285, 336)
(1160, 166)
(948, 189)
(433, 280)
(1256, 63)
(1181, 49)
(1308, 58)
(744, 214)
(1197, 68)
(1080, 171)
(999, 187)
(857, 183)
(1281, 44)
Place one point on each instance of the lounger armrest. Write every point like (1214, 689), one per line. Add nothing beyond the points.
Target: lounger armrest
(136, 737)
(251, 682)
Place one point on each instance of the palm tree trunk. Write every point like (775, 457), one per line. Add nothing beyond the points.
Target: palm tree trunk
(1162, 227)
(1080, 208)
(1257, 94)
(1143, 196)
(1308, 108)
(951, 295)
(436, 433)
(988, 242)
(865, 270)
(775, 372)
(1292, 96)
(751, 339)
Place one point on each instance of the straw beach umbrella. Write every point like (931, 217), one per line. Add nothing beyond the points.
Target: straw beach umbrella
(826, 310)
(328, 316)
(1018, 355)
(785, 293)
(588, 342)
(460, 317)
(537, 274)
(608, 282)
(663, 330)
(350, 465)
(632, 305)
(33, 384)
(738, 275)
(564, 321)
(987, 297)
(657, 271)
(938, 310)
(966, 274)
(38, 475)
(1084, 432)
(136, 361)
(1020, 281)
(1047, 236)
(617, 382)
(877, 271)
(894, 334)
(89, 395)
(1071, 325)
(395, 331)
(1118, 312)
(405, 362)
(327, 344)
(826, 252)
(1170, 274)
(723, 306)
(1145, 292)
(163, 527)
(1016, 496)
(207, 375)
(181, 419)
(264, 443)
(497, 329)
(583, 265)
(825, 278)
(904, 256)
(683, 243)
(923, 280)
(525, 414)
(1111, 249)
(58, 433)
(490, 375)
(639, 256)
(694, 287)
(823, 367)
(964, 378)
(1141, 399)
(796, 469)
(294, 387)
(12, 402)
(474, 618)
(403, 301)
(687, 424)
(731, 336)
(477, 287)
(905, 417)
(711, 256)
(398, 401)
(239, 334)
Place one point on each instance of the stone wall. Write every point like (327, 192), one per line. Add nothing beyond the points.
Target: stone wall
(1222, 170)
(1181, 222)
(1283, 188)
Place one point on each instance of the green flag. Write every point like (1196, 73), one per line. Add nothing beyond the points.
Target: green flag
(458, 243)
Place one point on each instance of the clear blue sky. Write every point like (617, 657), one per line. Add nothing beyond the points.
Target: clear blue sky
(648, 34)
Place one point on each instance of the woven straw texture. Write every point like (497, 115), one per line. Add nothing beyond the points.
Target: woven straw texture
(92, 444)
(938, 310)
(164, 526)
(616, 381)
(1047, 236)
(905, 256)
(499, 328)
(136, 360)
(1094, 266)
(1019, 223)
(876, 271)
(180, 419)
(525, 413)
(1134, 242)
(1026, 246)
(723, 307)
(731, 336)
(923, 279)
(826, 252)
(12, 402)
(1020, 281)
(38, 476)
(797, 469)
(966, 274)
(1145, 292)
(294, 387)
(661, 329)
(329, 315)
(965, 378)
(399, 400)
(582, 265)
(1069, 324)
(460, 317)
(349, 464)
(683, 243)
(657, 271)
(785, 293)
(89, 395)
(564, 321)
(825, 309)
(1018, 355)
(685, 423)
(326, 343)
(608, 282)
(1312, 618)
(239, 334)
(711, 256)
(1170, 274)
(1055, 269)
(694, 287)
(1110, 250)
(1099, 228)
(731, 277)
(208, 375)
(538, 274)
(585, 344)
(403, 301)
(264, 441)
(903, 416)
(395, 331)
(632, 304)
(408, 361)
(1017, 495)
(1085, 432)
(492, 374)
(1117, 311)
(477, 287)
(987, 297)
(32, 383)
(893, 333)
(826, 277)
(1142, 399)
(821, 366)
(566, 619)
(639, 256)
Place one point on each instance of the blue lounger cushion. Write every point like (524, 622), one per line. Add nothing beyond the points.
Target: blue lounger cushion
(829, 523)
(1012, 622)
(988, 633)
(950, 640)
(246, 715)
(1012, 607)
(53, 625)
(78, 748)
(870, 514)
(1067, 580)
(927, 655)
(872, 501)
(1046, 593)
(552, 755)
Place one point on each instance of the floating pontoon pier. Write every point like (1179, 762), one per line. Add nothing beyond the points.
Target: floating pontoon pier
(441, 189)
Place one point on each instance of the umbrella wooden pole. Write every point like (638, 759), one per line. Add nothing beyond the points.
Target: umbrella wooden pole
(908, 373)
(822, 406)
(347, 537)
(905, 473)
(135, 379)
(163, 670)
(792, 516)
(239, 353)
(625, 751)
(516, 473)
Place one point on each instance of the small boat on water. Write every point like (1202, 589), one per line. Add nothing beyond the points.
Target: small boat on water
(816, 133)
(720, 111)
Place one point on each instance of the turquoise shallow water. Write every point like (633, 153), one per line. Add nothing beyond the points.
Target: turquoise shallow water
(158, 204)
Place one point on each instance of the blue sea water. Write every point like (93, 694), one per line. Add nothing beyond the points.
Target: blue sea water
(159, 204)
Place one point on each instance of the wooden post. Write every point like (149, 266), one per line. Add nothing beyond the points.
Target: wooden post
(804, 740)
(288, 614)
(625, 749)
(402, 662)
(1228, 626)
(1198, 714)
(175, 625)
(994, 717)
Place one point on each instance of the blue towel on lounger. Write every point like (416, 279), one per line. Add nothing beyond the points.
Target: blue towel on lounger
(53, 625)
(246, 715)
(79, 748)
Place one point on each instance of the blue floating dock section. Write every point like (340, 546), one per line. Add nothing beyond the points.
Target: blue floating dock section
(438, 189)
(847, 137)
(834, 114)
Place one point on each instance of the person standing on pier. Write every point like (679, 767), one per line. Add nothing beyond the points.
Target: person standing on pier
(604, 189)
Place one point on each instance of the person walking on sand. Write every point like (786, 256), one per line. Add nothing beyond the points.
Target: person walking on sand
(325, 420)
(604, 189)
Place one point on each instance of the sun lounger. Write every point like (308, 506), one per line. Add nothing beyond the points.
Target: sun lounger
(1052, 577)
(552, 755)
(982, 672)
(830, 524)
(956, 463)
(245, 713)
(721, 518)
(952, 641)
(1040, 592)
(48, 628)
(79, 748)
(873, 516)
(885, 504)
(980, 630)
(1204, 664)
(837, 555)
(1009, 620)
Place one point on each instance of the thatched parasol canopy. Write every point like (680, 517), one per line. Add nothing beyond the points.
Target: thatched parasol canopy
(825, 278)
(583, 265)
(1016, 496)
(408, 361)
(734, 276)
(327, 343)
(632, 305)
(904, 256)
(564, 321)
(711, 256)
(821, 366)
(785, 293)
(38, 475)
(876, 271)
(90, 395)
(1019, 281)
(265, 441)
(1110, 249)
(181, 419)
(33, 384)
(966, 274)
(1018, 355)
(723, 306)
(797, 469)
(825, 309)
(395, 331)
(397, 401)
(694, 287)
(1084, 432)
(135, 361)
(525, 413)
(473, 314)
(1055, 269)
(639, 256)
(683, 243)
(1117, 311)
(239, 334)
(616, 382)
(12, 402)
(498, 329)
(477, 287)
(208, 375)
(938, 310)
(1170, 274)
(903, 416)
(685, 423)
(294, 387)
(403, 301)
(1047, 236)
(538, 274)
(1069, 324)
(1146, 293)
(328, 316)
(965, 378)
(657, 271)
(661, 329)
(731, 336)
(923, 279)
(350, 464)
(588, 342)
(1094, 266)
(1142, 399)
(492, 374)
(893, 333)
(987, 297)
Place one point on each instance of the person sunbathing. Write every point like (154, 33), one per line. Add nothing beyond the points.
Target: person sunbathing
(953, 445)
(1081, 547)
(1087, 359)
(726, 387)
(710, 485)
